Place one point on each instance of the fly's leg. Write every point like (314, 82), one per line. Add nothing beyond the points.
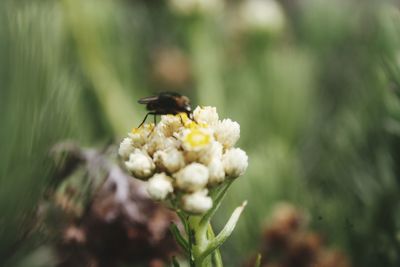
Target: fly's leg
(149, 113)
(180, 116)
(155, 122)
(190, 116)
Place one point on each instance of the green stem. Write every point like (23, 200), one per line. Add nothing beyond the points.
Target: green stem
(216, 255)
(200, 242)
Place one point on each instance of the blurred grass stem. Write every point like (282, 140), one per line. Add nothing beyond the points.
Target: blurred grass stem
(84, 20)
(206, 62)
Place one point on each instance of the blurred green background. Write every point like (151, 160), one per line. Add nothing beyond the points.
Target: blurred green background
(315, 87)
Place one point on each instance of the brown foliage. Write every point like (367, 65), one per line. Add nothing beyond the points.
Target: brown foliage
(288, 243)
(118, 223)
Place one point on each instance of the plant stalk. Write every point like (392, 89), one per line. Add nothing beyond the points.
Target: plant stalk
(200, 242)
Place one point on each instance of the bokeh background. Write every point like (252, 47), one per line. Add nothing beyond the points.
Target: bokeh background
(314, 85)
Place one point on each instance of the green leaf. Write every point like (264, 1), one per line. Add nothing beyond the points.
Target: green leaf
(258, 261)
(175, 263)
(183, 218)
(226, 231)
(179, 238)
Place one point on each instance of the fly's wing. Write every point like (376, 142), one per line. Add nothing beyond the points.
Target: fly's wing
(148, 99)
(163, 103)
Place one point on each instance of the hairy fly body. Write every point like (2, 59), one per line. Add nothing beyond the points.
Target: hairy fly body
(166, 103)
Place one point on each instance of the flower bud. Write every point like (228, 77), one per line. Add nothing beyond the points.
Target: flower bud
(159, 186)
(197, 202)
(213, 152)
(159, 142)
(170, 160)
(192, 178)
(227, 132)
(235, 162)
(140, 164)
(216, 172)
(169, 124)
(207, 115)
(126, 148)
(140, 136)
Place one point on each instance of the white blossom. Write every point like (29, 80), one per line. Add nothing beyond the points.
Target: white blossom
(206, 115)
(196, 139)
(170, 159)
(227, 132)
(216, 172)
(140, 136)
(160, 142)
(214, 152)
(140, 164)
(170, 124)
(235, 162)
(192, 178)
(197, 202)
(159, 186)
(126, 148)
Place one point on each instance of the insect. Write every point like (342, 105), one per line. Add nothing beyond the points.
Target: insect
(166, 103)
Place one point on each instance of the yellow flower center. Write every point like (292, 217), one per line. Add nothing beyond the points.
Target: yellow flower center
(135, 130)
(190, 124)
(184, 118)
(147, 126)
(197, 138)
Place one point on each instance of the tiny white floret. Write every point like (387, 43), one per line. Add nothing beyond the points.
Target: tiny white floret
(170, 159)
(126, 148)
(207, 115)
(160, 142)
(169, 124)
(235, 162)
(140, 164)
(227, 132)
(140, 136)
(193, 177)
(159, 186)
(213, 152)
(197, 202)
(216, 172)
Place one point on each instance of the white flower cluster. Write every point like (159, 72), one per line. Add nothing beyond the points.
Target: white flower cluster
(182, 158)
